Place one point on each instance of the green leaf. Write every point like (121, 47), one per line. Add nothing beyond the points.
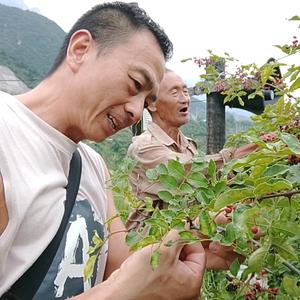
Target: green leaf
(206, 223)
(294, 174)
(256, 260)
(232, 196)
(149, 240)
(165, 196)
(220, 186)
(176, 169)
(89, 267)
(177, 224)
(186, 188)
(161, 169)
(295, 18)
(287, 228)
(234, 267)
(276, 170)
(202, 197)
(132, 238)
(155, 259)
(269, 188)
(152, 174)
(290, 286)
(168, 181)
(230, 234)
(295, 85)
(292, 142)
(285, 250)
(212, 168)
(187, 236)
(197, 179)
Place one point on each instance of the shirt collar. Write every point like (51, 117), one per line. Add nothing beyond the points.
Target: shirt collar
(161, 135)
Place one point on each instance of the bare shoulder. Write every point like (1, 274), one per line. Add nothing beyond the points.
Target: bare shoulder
(3, 208)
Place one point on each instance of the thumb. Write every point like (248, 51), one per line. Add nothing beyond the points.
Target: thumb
(171, 245)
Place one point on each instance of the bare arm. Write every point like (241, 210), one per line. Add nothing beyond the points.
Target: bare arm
(117, 249)
(3, 208)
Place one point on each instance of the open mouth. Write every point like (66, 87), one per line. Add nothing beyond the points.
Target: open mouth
(184, 110)
(112, 121)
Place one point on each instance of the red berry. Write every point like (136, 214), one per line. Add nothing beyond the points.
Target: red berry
(228, 209)
(254, 229)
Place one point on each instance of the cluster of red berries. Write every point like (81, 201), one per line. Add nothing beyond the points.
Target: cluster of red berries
(203, 61)
(257, 288)
(220, 86)
(268, 137)
(295, 42)
(292, 127)
(293, 159)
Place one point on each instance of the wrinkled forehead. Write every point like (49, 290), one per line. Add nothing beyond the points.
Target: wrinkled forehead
(170, 80)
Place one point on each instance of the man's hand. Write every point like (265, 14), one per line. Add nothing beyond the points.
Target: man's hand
(178, 276)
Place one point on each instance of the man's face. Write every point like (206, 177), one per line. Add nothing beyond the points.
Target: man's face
(115, 86)
(171, 107)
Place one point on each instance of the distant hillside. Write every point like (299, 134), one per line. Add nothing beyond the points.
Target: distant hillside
(29, 43)
(15, 3)
(9, 83)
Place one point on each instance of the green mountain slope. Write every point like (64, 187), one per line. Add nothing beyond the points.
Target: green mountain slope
(29, 43)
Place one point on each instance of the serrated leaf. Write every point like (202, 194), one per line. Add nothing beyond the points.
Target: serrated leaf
(162, 169)
(232, 196)
(204, 196)
(168, 181)
(152, 174)
(294, 174)
(257, 259)
(292, 142)
(186, 188)
(290, 286)
(206, 223)
(288, 228)
(269, 188)
(285, 250)
(157, 222)
(176, 169)
(229, 235)
(197, 179)
(187, 236)
(165, 196)
(177, 224)
(132, 238)
(276, 170)
(155, 259)
(149, 240)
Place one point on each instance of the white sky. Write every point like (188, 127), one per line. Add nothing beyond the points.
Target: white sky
(247, 30)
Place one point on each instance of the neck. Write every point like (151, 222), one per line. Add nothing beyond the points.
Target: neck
(49, 101)
(171, 131)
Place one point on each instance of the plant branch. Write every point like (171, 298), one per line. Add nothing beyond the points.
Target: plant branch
(283, 194)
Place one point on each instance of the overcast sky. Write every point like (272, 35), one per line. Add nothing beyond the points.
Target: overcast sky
(247, 30)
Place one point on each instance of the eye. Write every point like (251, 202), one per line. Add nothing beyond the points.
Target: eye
(185, 91)
(137, 85)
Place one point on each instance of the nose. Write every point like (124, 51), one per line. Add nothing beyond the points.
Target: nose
(135, 108)
(185, 98)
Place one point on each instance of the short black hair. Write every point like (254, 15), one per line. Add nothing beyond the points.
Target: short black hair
(112, 23)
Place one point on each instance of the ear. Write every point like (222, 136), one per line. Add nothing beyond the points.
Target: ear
(152, 106)
(80, 43)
